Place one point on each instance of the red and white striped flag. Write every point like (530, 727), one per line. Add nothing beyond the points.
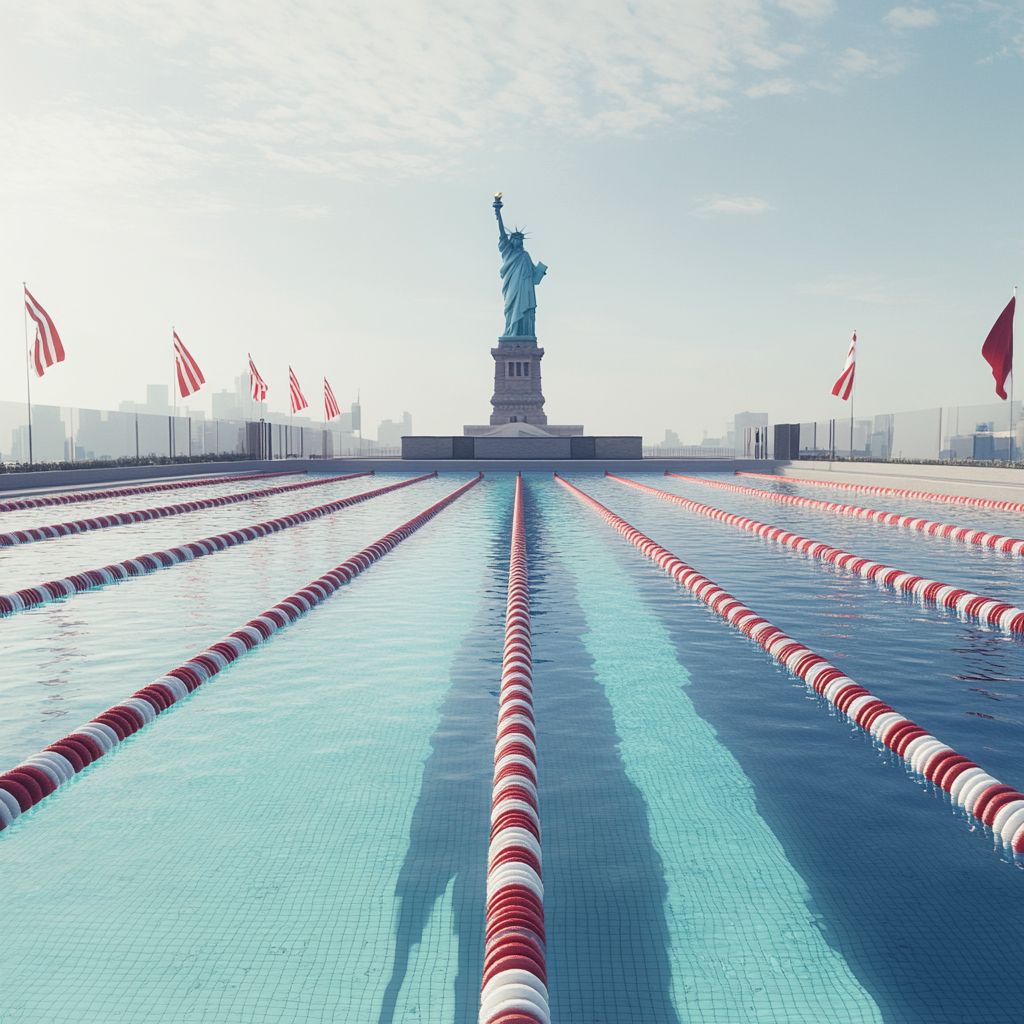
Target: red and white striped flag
(39, 356)
(189, 374)
(844, 385)
(298, 399)
(259, 387)
(48, 349)
(330, 402)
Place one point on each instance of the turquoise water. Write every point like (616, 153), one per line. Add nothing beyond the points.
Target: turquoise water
(304, 838)
(67, 661)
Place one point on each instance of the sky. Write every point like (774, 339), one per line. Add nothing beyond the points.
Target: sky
(723, 190)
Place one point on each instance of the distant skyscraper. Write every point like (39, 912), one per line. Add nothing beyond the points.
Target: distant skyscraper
(390, 433)
(225, 405)
(158, 402)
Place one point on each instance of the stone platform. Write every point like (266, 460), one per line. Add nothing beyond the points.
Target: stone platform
(522, 430)
(523, 448)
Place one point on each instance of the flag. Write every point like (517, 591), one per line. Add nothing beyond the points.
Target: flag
(998, 347)
(48, 349)
(38, 356)
(298, 399)
(844, 385)
(330, 403)
(259, 387)
(189, 374)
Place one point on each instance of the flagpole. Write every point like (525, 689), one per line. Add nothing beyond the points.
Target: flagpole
(28, 369)
(174, 394)
(851, 423)
(853, 388)
(1011, 389)
(1011, 416)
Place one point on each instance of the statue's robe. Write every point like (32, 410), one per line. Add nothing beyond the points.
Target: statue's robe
(519, 278)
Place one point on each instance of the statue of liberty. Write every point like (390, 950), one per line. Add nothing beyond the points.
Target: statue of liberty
(519, 279)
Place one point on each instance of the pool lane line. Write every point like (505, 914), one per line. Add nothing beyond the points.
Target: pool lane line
(26, 784)
(72, 499)
(513, 989)
(966, 602)
(949, 499)
(142, 565)
(967, 534)
(33, 534)
(997, 806)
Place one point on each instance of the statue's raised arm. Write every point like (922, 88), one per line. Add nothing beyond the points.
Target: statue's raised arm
(502, 234)
(519, 278)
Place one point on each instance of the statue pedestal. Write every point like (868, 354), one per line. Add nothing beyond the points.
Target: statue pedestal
(517, 395)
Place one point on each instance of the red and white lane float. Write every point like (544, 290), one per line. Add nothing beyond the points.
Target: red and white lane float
(967, 534)
(26, 784)
(73, 499)
(92, 579)
(999, 807)
(514, 986)
(898, 492)
(967, 603)
(29, 536)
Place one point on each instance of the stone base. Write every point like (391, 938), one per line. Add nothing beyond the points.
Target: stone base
(524, 448)
(551, 429)
(517, 397)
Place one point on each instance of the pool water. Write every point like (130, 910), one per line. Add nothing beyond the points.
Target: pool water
(305, 837)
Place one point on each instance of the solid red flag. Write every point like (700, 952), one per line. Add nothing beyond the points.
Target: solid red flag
(998, 347)
(844, 385)
(189, 374)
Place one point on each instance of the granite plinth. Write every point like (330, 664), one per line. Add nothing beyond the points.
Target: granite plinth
(524, 448)
(551, 429)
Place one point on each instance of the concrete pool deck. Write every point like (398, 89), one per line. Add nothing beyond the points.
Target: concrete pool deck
(978, 481)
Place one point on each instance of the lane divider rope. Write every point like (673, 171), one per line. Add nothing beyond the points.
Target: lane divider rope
(33, 534)
(72, 499)
(967, 534)
(997, 806)
(967, 603)
(513, 989)
(26, 784)
(949, 499)
(142, 565)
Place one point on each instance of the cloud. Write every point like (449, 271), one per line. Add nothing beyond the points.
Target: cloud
(810, 9)
(141, 91)
(732, 204)
(874, 289)
(911, 17)
(773, 87)
(857, 62)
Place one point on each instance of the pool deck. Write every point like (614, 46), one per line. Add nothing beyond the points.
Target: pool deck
(971, 481)
(14, 484)
(982, 482)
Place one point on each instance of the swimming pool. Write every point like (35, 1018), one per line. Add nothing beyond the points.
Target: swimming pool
(305, 837)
